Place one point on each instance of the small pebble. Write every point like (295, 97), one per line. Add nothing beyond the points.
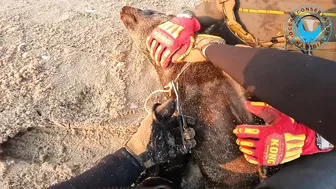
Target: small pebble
(21, 47)
(133, 106)
(44, 57)
(25, 55)
(90, 11)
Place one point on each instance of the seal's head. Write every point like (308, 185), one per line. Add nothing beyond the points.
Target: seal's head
(140, 23)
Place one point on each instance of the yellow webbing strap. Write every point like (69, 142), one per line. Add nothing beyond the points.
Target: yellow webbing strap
(278, 42)
(279, 12)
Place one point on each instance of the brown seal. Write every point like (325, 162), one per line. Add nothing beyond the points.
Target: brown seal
(214, 99)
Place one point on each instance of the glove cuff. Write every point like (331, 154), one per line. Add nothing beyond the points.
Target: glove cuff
(315, 143)
(189, 15)
(143, 159)
(204, 49)
(186, 14)
(128, 154)
(203, 41)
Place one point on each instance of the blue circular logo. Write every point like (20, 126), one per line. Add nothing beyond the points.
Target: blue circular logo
(308, 28)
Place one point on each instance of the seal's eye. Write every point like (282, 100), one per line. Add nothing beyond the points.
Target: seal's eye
(149, 12)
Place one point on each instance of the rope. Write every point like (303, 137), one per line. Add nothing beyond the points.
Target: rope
(181, 71)
(157, 91)
(169, 86)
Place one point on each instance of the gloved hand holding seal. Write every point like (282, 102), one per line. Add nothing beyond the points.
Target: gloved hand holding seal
(158, 139)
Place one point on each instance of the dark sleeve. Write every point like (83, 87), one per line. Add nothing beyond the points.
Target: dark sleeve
(117, 169)
(301, 86)
(307, 172)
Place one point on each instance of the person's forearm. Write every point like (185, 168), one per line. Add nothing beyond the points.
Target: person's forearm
(117, 169)
(299, 85)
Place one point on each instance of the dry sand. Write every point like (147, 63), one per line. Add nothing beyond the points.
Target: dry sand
(71, 86)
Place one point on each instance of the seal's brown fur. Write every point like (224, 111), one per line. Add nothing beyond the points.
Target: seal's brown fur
(211, 97)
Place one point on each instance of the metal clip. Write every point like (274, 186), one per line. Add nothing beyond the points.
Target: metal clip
(180, 117)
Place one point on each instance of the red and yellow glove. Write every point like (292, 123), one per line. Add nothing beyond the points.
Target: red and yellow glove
(173, 40)
(280, 141)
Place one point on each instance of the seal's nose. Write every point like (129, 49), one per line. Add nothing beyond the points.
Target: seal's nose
(125, 10)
